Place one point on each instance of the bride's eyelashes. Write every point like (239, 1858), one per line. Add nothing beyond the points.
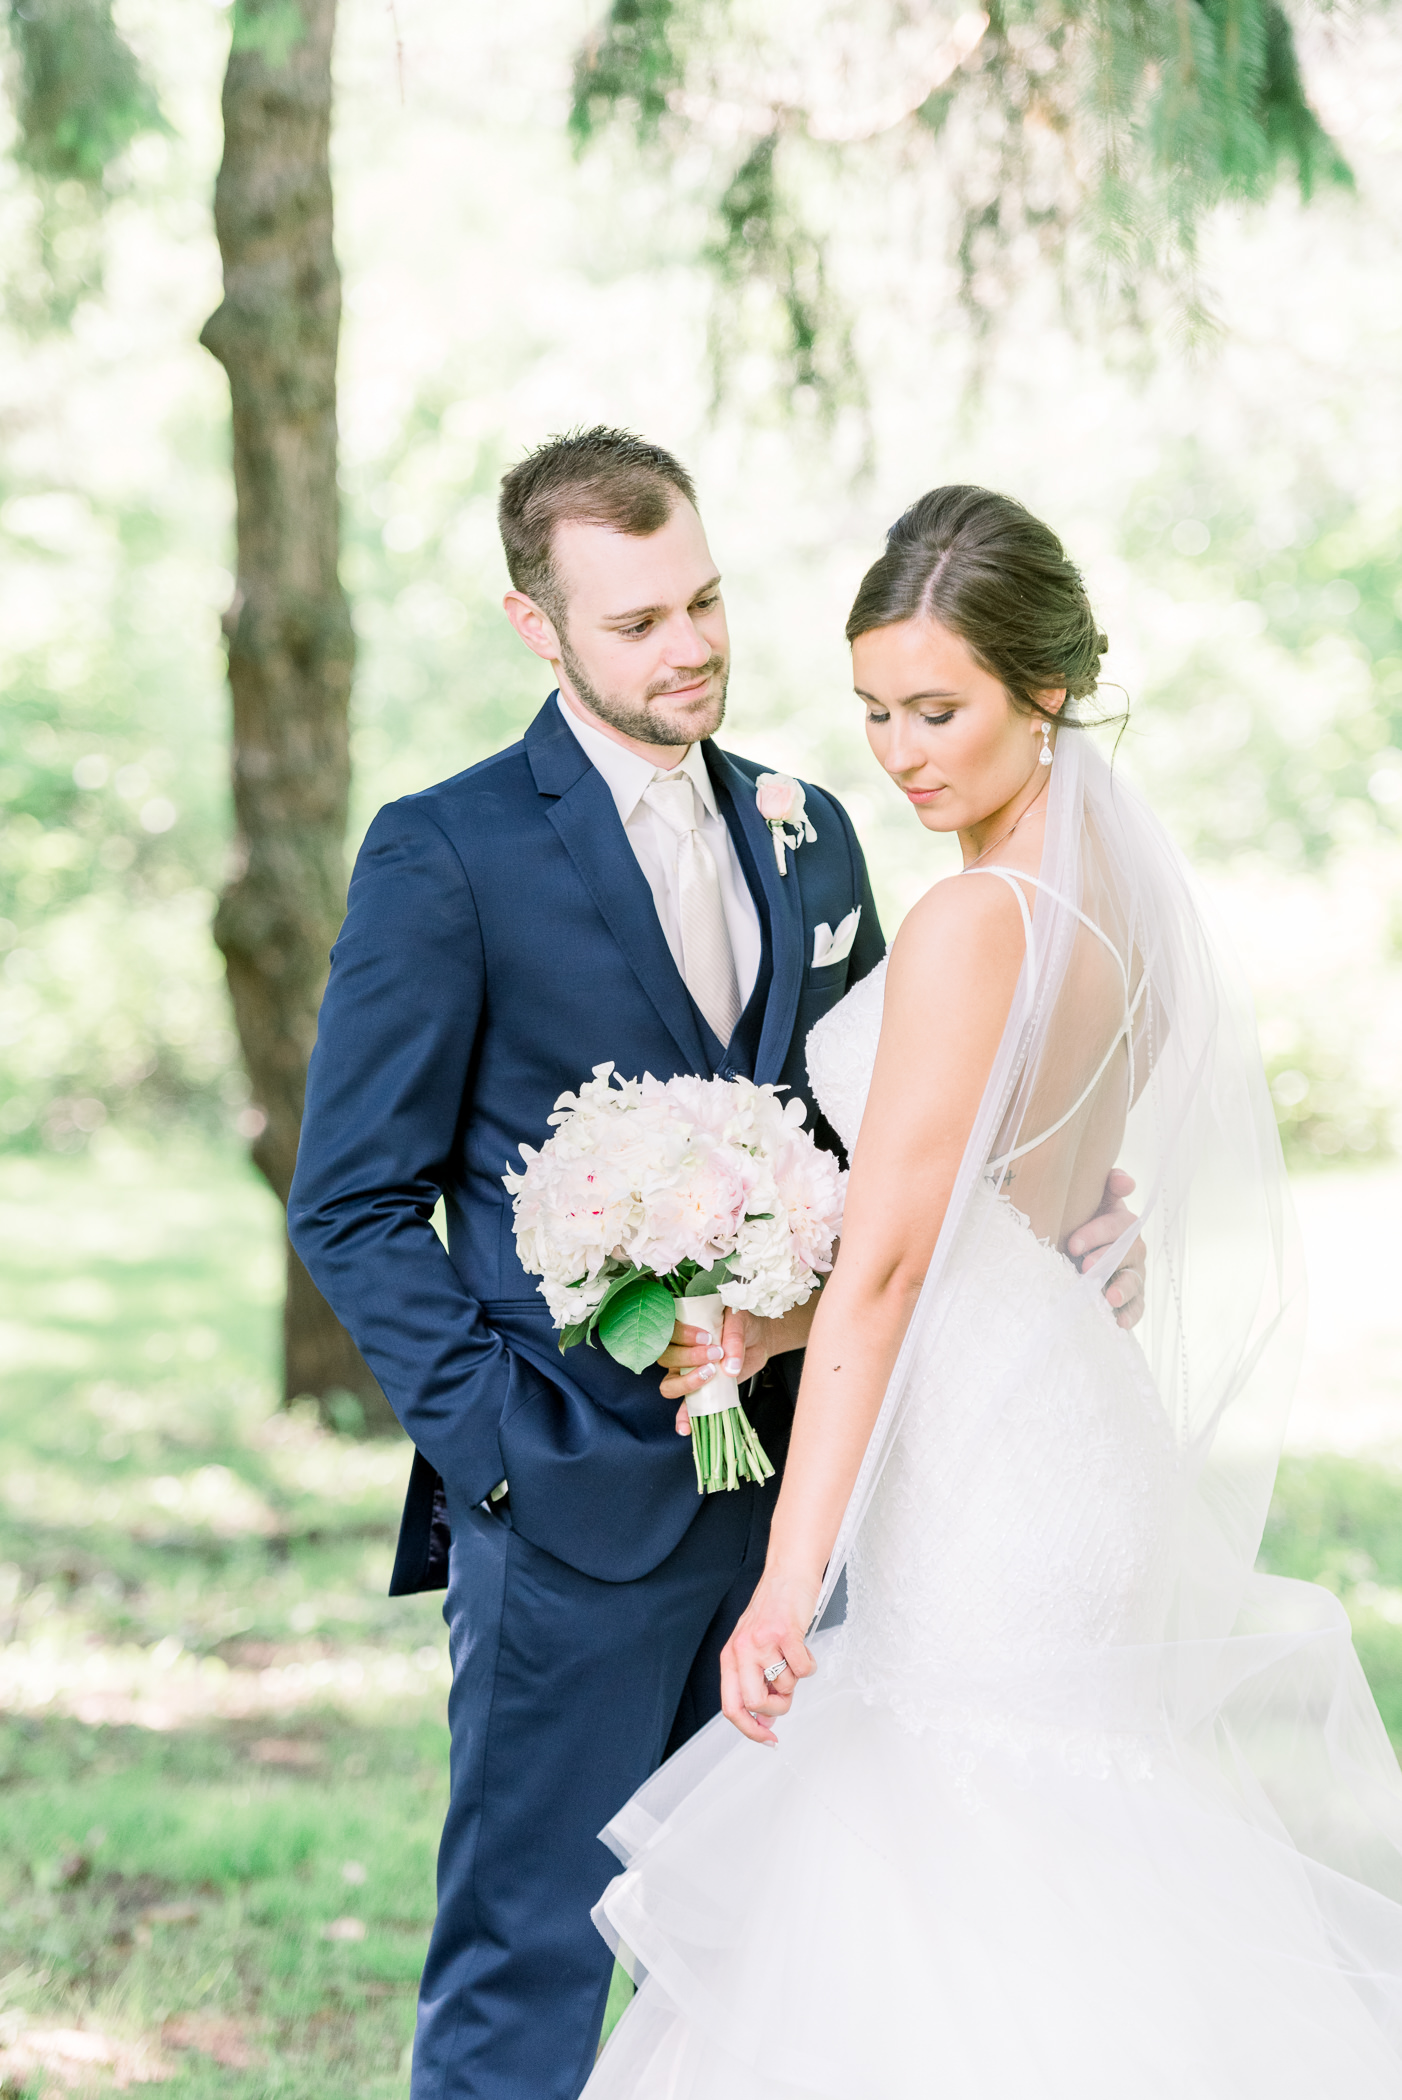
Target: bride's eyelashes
(877, 720)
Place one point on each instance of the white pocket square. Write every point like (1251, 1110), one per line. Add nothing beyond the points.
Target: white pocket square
(830, 947)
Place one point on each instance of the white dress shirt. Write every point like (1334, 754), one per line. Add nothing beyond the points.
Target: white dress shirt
(654, 843)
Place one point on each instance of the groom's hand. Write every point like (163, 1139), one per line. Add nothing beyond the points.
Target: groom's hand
(692, 1359)
(1124, 1293)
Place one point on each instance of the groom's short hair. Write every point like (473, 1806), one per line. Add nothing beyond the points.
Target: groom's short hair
(591, 477)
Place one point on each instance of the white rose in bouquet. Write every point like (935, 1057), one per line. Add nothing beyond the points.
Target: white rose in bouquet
(688, 1195)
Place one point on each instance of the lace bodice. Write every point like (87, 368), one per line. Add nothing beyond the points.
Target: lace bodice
(841, 1053)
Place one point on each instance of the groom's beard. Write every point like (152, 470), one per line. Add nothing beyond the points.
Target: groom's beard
(649, 720)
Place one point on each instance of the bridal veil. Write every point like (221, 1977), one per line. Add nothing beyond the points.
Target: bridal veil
(1130, 1041)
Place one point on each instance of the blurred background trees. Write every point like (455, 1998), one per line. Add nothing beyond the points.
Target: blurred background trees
(80, 99)
(1237, 515)
(291, 647)
(1087, 137)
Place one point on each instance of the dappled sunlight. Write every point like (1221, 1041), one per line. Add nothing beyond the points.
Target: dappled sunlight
(72, 2055)
(102, 1684)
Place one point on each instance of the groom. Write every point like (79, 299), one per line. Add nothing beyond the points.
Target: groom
(604, 890)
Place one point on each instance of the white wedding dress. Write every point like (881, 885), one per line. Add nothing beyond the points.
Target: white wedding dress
(1004, 1851)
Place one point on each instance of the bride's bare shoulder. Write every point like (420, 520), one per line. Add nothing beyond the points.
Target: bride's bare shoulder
(962, 921)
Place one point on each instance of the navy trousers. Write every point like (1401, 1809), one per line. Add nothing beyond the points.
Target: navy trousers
(567, 1693)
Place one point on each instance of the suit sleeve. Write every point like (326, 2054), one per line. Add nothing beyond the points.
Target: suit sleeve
(388, 1086)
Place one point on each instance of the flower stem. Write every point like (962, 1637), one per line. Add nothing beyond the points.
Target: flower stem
(726, 1451)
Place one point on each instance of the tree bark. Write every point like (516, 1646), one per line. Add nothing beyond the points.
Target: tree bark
(291, 646)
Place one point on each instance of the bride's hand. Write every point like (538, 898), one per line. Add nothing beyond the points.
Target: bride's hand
(774, 1626)
(691, 1359)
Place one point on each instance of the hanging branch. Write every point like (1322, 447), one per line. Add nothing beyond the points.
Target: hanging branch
(1095, 135)
(80, 97)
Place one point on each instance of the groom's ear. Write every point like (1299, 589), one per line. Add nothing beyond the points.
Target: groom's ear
(535, 629)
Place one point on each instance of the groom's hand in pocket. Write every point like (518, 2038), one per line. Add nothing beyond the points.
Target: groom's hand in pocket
(692, 1359)
(1124, 1293)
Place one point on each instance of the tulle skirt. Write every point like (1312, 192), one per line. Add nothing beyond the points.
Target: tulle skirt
(989, 1913)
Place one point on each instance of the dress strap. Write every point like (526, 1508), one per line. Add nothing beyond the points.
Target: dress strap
(1015, 877)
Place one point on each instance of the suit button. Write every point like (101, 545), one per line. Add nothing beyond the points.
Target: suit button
(725, 1072)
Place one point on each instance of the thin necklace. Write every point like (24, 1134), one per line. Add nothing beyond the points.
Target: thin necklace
(1007, 834)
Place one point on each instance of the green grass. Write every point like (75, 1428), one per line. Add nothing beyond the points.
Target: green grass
(1339, 1522)
(219, 1736)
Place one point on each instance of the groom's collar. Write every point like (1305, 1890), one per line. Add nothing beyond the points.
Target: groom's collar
(561, 749)
(626, 775)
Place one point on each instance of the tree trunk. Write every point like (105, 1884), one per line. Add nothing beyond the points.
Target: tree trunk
(291, 647)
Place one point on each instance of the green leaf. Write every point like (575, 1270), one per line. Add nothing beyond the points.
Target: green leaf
(706, 1282)
(636, 1325)
(630, 1275)
(570, 1335)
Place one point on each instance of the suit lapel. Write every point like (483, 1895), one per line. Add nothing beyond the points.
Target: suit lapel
(585, 820)
(785, 912)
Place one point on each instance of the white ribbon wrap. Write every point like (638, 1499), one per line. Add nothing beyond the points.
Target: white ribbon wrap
(720, 1392)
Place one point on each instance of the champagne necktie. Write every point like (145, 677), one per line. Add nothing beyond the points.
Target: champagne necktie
(708, 962)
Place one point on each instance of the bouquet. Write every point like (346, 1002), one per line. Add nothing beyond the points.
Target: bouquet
(658, 1200)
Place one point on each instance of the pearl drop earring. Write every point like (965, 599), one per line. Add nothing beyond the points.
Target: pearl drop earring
(1044, 756)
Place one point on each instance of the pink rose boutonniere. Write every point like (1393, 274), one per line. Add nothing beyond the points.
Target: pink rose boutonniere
(779, 799)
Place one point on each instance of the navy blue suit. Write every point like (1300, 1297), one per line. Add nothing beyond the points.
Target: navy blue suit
(500, 941)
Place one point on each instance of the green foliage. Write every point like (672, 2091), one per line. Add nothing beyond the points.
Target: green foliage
(1095, 135)
(1338, 1521)
(763, 242)
(112, 775)
(80, 98)
(1267, 727)
(1307, 757)
(708, 1281)
(272, 28)
(635, 1316)
(629, 66)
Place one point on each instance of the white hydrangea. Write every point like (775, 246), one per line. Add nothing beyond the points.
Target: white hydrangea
(657, 1174)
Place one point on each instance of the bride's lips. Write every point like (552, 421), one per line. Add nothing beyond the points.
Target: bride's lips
(921, 794)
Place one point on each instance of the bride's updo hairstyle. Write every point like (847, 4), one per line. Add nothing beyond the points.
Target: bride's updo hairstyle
(1001, 580)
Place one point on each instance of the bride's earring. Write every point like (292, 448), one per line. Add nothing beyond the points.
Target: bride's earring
(1044, 756)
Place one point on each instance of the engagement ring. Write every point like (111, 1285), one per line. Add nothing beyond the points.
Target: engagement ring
(775, 1670)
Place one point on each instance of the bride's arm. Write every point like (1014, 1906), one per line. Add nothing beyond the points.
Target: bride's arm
(949, 986)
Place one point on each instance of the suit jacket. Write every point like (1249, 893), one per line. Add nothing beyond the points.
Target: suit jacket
(500, 941)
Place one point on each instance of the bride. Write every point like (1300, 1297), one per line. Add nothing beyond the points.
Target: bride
(1074, 1806)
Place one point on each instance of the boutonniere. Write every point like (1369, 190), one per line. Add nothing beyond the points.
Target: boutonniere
(779, 799)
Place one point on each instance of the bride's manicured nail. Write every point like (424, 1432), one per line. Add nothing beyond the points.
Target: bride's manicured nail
(733, 1366)
(715, 1352)
(708, 1371)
